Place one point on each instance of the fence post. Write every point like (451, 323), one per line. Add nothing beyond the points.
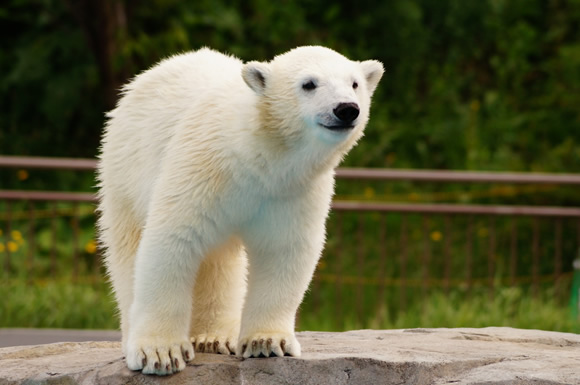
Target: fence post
(7, 257)
(339, 268)
(575, 295)
(491, 258)
(32, 239)
(403, 262)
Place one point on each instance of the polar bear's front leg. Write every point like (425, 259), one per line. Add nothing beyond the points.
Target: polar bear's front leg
(282, 257)
(165, 267)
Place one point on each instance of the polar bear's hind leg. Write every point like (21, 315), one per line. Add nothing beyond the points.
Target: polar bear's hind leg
(218, 295)
(120, 233)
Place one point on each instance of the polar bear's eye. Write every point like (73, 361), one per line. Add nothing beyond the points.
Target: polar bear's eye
(308, 86)
(355, 85)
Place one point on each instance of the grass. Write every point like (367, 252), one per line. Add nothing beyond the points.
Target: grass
(510, 307)
(57, 304)
(89, 304)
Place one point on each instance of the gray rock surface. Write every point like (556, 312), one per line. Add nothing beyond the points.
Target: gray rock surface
(19, 337)
(414, 356)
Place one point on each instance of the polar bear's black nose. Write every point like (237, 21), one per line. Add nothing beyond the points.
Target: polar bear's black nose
(346, 112)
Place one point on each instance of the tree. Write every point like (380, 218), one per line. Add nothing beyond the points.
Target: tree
(104, 24)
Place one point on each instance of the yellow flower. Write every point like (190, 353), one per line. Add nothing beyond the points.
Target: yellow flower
(17, 237)
(22, 175)
(2, 247)
(12, 246)
(91, 247)
(436, 236)
(369, 192)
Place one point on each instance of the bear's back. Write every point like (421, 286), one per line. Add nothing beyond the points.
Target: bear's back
(175, 85)
(154, 105)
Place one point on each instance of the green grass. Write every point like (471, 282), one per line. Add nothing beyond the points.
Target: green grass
(90, 305)
(510, 306)
(57, 304)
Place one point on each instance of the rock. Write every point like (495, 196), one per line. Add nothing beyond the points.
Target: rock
(414, 356)
(28, 336)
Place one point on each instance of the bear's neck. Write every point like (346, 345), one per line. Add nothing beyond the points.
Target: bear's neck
(288, 163)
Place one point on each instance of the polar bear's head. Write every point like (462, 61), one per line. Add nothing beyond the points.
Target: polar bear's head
(314, 92)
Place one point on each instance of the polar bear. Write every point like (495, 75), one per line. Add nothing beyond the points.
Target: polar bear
(215, 180)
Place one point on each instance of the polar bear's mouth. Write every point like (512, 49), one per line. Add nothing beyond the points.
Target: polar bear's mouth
(338, 127)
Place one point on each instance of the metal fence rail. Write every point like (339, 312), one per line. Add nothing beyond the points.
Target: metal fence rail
(458, 176)
(378, 254)
(47, 163)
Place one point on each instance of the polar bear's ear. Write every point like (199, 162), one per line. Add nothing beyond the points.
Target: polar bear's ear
(373, 71)
(256, 74)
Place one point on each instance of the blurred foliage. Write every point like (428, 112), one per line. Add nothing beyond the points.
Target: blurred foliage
(490, 84)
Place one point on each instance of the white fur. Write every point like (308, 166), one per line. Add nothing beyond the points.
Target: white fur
(212, 170)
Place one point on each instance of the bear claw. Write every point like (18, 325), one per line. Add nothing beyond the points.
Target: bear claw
(152, 357)
(266, 346)
(213, 344)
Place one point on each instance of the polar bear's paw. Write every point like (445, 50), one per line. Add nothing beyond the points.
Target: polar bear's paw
(158, 356)
(268, 345)
(215, 343)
